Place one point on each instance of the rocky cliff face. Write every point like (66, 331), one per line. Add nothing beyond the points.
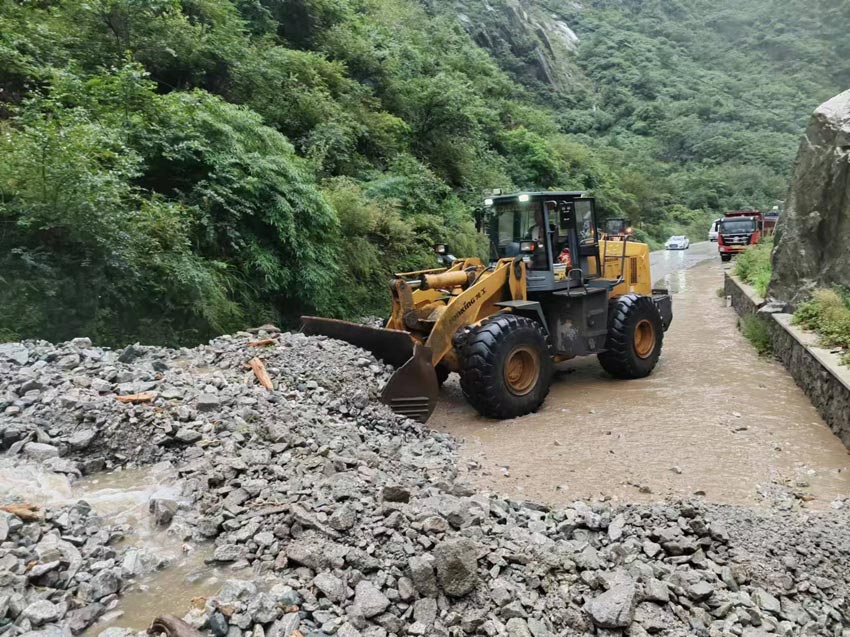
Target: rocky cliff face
(813, 237)
(533, 44)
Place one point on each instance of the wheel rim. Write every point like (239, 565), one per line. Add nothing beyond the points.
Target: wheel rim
(644, 338)
(522, 369)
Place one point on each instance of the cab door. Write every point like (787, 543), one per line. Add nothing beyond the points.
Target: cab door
(587, 235)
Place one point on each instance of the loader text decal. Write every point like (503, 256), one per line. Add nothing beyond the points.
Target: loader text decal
(468, 304)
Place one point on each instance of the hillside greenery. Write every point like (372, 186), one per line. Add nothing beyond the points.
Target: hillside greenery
(174, 169)
(827, 313)
(753, 266)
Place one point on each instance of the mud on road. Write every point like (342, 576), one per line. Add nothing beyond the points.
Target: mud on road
(714, 419)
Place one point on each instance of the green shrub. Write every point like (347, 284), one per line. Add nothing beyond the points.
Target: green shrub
(756, 332)
(753, 266)
(827, 313)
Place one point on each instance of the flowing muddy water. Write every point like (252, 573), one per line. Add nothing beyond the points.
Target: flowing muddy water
(714, 419)
(123, 497)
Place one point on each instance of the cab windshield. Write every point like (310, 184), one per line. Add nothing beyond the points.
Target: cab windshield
(512, 222)
(734, 226)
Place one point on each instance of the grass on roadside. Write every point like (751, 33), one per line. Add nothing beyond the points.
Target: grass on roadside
(827, 313)
(753, 266)
(755, 330)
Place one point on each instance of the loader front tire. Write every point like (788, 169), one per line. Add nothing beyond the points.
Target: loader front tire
(506, 368)
(635, 337)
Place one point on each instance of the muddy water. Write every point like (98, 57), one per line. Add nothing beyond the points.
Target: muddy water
(666, 264)
(123, 497)
(714, 419)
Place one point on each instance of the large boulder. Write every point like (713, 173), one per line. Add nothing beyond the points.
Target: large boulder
(813, 233)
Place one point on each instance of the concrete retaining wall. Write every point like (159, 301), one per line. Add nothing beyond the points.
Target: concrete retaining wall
(816, 370)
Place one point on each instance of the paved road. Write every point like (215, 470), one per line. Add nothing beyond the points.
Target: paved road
(667, 264)
(714, 419)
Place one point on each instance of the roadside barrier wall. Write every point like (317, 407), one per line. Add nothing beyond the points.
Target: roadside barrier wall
(817, 370)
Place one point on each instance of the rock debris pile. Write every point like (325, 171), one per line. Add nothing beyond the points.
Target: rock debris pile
(357, 522)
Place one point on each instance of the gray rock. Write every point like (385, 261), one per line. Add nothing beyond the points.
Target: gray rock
(614, 608)
(343, 518)
(81, 618)
(616, 527)
(81, 439)
(817, 207)
(347, 630)
(15, 352)
(105, 582)
(766, 601)
(657, 591)
(369, 599)
(456, 562)
(218, 624)
(395, 493)
(237, 590)
(285, 626)
(42, 612)
(422, 574)
(188, 435)
(228, 553)
(40, 451)
(332, 587)
(700, 591)
(163, 510)
(514, 609)
(425, 610)
(538, 627)
(207, 402)
(517, 627)
(406, 591)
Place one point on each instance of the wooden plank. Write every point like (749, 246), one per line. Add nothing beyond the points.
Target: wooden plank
(147, 397)
(263, 343)
(261, 373)
(26, 512)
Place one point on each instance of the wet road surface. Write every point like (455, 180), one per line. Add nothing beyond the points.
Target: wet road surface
(713, 419)
(664, 264)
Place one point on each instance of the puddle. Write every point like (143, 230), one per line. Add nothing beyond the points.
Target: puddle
(123, 497)
(713, 419)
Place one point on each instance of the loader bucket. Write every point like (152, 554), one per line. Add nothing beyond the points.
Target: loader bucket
(412, 391)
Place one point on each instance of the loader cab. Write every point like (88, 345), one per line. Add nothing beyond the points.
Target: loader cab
(555, 233)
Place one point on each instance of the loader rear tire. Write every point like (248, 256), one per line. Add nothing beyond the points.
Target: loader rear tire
(506, 368)
(635, 337)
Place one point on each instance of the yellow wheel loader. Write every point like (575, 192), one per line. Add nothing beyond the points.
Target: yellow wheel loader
(554, 289)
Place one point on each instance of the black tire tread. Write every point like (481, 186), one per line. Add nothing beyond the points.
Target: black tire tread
(478, 378)
(619, 358)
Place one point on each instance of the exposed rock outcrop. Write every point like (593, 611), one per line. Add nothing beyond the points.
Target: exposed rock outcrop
(813, 234)
(527, 41)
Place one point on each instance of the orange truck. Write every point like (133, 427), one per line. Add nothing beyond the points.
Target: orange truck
(738, 230)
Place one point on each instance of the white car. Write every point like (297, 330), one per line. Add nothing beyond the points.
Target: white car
(679, 242)
(714, 230)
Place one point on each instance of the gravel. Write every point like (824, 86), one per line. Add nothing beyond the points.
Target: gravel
(357, 522)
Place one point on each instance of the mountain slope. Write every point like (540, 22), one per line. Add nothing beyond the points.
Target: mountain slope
(180, 168)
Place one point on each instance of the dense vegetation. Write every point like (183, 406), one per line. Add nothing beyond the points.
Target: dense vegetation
(827, 312)
(753, 266)
(171, 169)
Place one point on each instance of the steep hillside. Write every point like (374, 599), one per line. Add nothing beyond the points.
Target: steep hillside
(701, 100)
(180, 168)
